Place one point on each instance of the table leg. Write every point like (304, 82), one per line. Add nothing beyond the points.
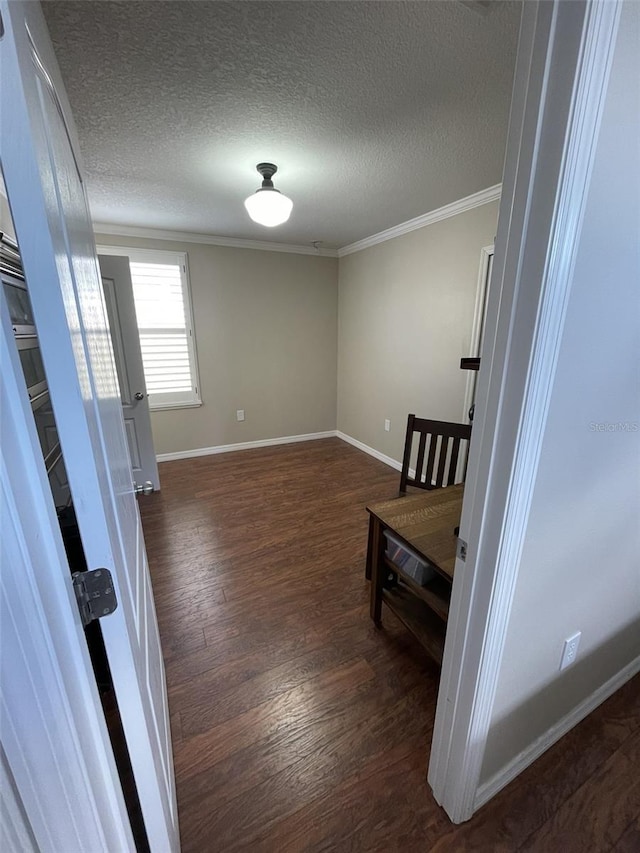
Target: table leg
(369, 562)
(377, 571)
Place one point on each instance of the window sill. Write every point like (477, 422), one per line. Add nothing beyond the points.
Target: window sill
(163, 407)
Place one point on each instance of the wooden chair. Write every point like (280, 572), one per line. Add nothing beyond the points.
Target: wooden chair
(435, 438)
(433, 443)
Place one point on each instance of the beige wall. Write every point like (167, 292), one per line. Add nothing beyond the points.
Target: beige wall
(304, 344)
(267, 336)
(266, 327)
(405, 317)
(580, 567)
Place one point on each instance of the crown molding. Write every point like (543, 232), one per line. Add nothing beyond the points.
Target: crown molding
(456, 207)
(208, 239)
(453, 209)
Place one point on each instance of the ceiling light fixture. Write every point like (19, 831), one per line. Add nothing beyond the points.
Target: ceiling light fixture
(267, 206)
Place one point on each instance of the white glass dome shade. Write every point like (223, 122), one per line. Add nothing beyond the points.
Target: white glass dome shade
(268, 206)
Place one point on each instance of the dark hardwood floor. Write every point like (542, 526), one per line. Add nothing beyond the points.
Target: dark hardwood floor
(297, 726)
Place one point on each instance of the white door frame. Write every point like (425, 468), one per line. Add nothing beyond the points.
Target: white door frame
(64, 792)
(562, 69)
(479, 313)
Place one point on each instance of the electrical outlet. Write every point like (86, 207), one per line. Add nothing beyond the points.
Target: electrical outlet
(240, 414)
(387, 425)
(570, 651)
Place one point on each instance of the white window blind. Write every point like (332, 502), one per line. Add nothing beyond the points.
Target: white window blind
(163, 313)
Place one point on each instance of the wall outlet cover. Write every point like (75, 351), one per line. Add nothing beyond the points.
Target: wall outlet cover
(387, 425)
(570, 650)
(240, 414)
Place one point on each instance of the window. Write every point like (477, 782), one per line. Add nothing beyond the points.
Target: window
(163, 313)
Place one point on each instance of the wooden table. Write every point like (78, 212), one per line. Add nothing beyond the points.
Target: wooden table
(426, 523)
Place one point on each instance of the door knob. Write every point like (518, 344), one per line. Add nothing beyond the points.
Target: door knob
(139, 395)
(146, 488)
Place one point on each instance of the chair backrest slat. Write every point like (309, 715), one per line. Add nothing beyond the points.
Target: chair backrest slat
(453, 464)
(420, 460)
(440, 435)
(444, 446)
(431, 461)
(406, 459)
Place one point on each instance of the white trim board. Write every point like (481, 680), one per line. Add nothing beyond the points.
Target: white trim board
(207, 239)
(285, 439)
(509, 772)
(445, 212)
(449, 210)
(243, 445)
(381, 457)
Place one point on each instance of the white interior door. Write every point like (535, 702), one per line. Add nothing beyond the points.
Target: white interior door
(58, 780)
(121, 311)
(50, 213)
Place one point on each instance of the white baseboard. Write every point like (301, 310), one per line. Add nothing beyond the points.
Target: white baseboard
(392, 463)
(272, 442)
(244, 445)
(509, 772)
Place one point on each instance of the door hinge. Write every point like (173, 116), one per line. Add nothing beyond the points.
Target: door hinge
(461, 549)
(95, 594)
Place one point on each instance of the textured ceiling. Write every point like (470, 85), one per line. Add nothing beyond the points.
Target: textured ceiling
(374, 112)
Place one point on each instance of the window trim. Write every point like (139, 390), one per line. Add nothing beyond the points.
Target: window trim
(168, 256)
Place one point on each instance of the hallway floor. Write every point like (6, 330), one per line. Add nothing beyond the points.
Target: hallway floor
(297, 726)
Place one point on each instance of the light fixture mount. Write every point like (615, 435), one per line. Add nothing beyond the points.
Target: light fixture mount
(268, 206)
(267, 170)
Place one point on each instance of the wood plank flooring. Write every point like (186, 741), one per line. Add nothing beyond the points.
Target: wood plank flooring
(297, 726)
